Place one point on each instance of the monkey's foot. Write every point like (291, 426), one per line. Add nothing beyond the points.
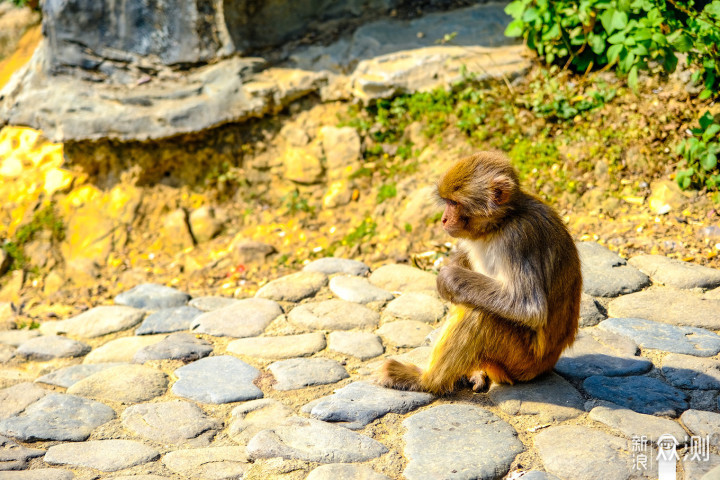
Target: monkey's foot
(479, 380)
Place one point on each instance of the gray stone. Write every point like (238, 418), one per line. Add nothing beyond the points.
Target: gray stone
(6, 352)
(358, 290)
(103, 455)
(660, 336)
(704, 399)
(14, 456)
(40, 474)
(168, 320)
(703, 424)
(204, 224)
(244, 318)
(342, 147)
(121, 349)
(15, 338)
(95, 322)
(362, 345)
(175, 422)
(458, 442)
(59, 417)
(66, 377)
(177, 346)
(415, 306)
(313, 441)
(403, 278)
(251, 417)
(211, 463)
(208, 304)
(686, 371)
(220, 379)
(676, 273)
(548, 398)
(345, 471)
(405, 333)
(606, 274)
(151, 296)
(304, 372)
(538, 475)
(713, 474)
(331, 265)
(15, 399)
(639, 393)
(702, 468)
(590, 313)
(333, 315)
(293, 287)
(274, 348)
(668, 305)
(359, 403)
(124, 383)
(600, 352)
(48, 347)
(630, 424)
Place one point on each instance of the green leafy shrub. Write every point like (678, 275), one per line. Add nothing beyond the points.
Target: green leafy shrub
(701, 156)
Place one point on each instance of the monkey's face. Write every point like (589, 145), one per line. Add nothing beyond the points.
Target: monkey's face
(453, 220)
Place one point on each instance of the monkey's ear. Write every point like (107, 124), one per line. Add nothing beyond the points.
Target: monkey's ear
(501, 190)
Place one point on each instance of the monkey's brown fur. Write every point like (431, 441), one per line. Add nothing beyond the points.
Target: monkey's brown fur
(514, 282)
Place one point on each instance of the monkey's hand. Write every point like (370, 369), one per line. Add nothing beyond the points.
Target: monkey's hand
(456, 284)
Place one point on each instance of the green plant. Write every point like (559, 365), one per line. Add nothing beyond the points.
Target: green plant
(704, 29)
(365, 230)
(700, 153)
(45, 219)
(294, 203)
(387, 191)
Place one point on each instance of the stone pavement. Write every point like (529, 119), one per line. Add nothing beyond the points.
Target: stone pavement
(161, 385)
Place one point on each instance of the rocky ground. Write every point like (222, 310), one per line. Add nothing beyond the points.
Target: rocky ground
(280, 385)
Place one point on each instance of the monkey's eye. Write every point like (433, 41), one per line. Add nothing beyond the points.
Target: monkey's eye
(452, 203)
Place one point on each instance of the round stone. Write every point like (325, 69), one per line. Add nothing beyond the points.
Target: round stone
(304, 372)
(630, 424)
(676, 273)
(168, 320)
(176, 346)
(358, 290)
(251, 417)
(96, 322)
(103, 455)
(151, 296)
(287, 346)
(606, 274)
(65, 377)
(415, 306)
(48, 347)
(333, 315)
(641, 394)
(175, 422)
(668, 305)
(403, 278)
(590, 312)
(220, 379)
(122, 349)
(210, 463)
(16, 398)
(124, 383)
(686, 371)
(293, 287)
(704, 424)
(405, 333)
(210, 303)
(362, 345)
(243, 318)
(331, 265)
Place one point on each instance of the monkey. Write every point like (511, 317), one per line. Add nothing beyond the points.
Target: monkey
(514, 282)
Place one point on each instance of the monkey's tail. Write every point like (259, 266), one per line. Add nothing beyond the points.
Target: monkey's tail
(403, 376)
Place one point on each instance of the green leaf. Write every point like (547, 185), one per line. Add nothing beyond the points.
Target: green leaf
(606, 19)
(617, 38)
(515, 28)
(515, 9)
(619, 20)
(683, 43)
(597, 43)
(711, 132)
(709, 161)
(633, 78)
(613, 52)
(706, 120)
(705, 94)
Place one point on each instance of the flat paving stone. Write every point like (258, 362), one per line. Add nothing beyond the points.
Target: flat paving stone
(103, 455)
(6, 352)
(332, 265)
(416, 306)
(629, 424)
(14, 456)
(359, 403)
(345, 471)
(704, 424)
(220, 379)
(590, 312)
(638, 393)
(600, 352)
(15, 338)
(686, 371)
(211, 302)
(68, 376)
(676, 273)
(358, 290)
(704, 469)
(124, 383)
(168, 320)
(96, 322)
(304, 372)
(210, 463)
(57, 416)
(249, 418)
(314, 441)
(48, 347)
(458, 442)
(244, 318)
(668, 305)
(361, 345)
(333, 314)
(121, 350)
(176, 346)
(40, 474)
(151, 296)
(16, 398)
(549, 398)
(607, 274)
(405, 333)
(403, 278)
(175, 422)
(293, 287)
(287, 346)
(661, 336)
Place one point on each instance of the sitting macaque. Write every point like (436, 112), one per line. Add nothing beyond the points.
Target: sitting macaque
(514, 282)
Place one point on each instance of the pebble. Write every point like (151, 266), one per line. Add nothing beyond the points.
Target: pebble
(458, 441)
(303, 372)
(415, 306)
(151, 296)
(57, 416)
(403, 278)
(176, 346)
(549, 398)
(15, 338)
(220, 379)
(6, 352)
(600, 352)
(630, 424)
(362, 345)
(405, 333)
(275, 348)
(210, 303)
(685, 371)
(293, 287)
(168, 320)
(703, 424)
(95, 322)
(210, 463)
(16, 398)
(48, 347)
(333, 315)
(244, 318)
(345, 471)
(121, 349)
(668, 305)
(39, 474)
(175, 422)
(331, 265)
(66, 377)
(590, 312)
(14, 456)
(358, 290)
(314, 441)
(639, 393)
(359, 403)
(251, 417)
(606, 274)
(676, 273)
(123, 383)
(103, 455)
(661, 336)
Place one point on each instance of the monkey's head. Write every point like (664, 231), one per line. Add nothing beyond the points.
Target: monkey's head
(477, 192)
